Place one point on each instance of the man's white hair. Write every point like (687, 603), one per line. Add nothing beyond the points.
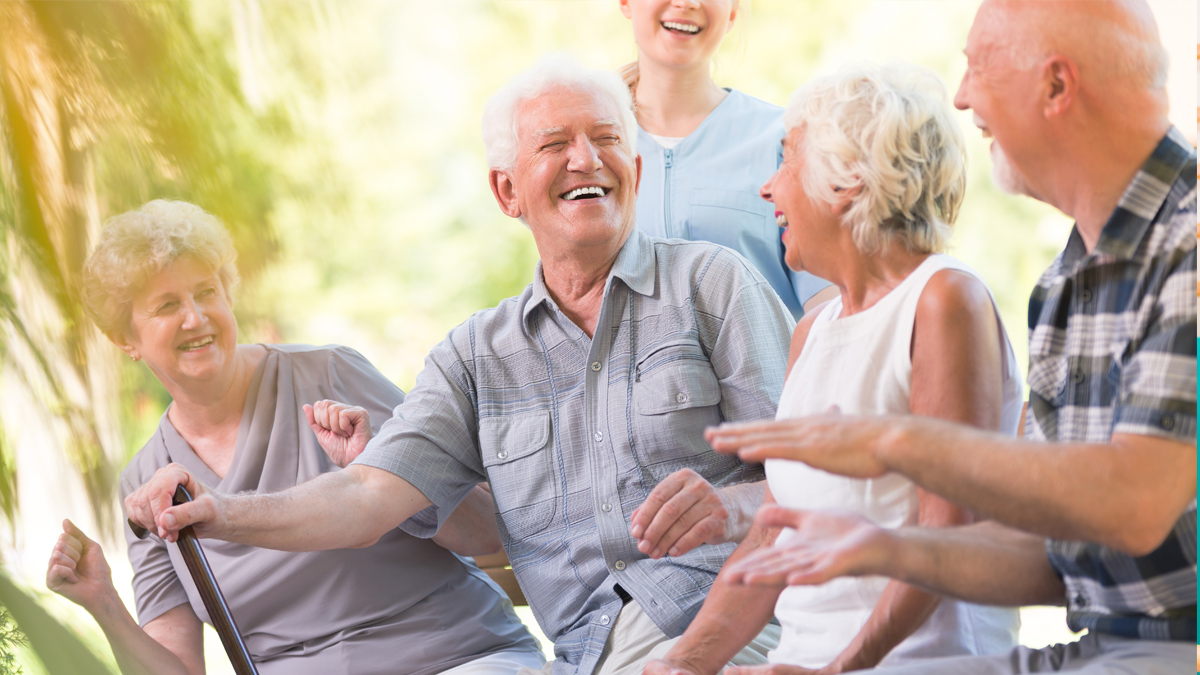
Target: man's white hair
(887, 130)
(500, 116)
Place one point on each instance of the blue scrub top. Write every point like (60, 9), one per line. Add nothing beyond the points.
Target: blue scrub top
(706, 189)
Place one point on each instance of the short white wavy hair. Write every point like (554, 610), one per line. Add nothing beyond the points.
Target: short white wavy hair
(136, 245)
(500, 116)
(889, 131)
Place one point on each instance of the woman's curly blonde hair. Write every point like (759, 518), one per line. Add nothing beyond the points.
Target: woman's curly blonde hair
(137, 245)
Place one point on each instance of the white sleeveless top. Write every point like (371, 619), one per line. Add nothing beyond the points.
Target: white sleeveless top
(862, 364)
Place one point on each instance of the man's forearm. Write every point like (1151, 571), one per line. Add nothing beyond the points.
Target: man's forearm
(984, 563)
(731, 617)
(351, 508)
(1085, 492)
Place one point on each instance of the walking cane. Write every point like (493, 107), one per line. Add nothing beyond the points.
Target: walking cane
(210, 593)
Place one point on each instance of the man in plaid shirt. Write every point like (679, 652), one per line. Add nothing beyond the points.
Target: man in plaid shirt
(1096, 507)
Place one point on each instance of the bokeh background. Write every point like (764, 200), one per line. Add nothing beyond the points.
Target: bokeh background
(339, 142)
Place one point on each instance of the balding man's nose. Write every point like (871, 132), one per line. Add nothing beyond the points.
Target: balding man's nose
(582, 155)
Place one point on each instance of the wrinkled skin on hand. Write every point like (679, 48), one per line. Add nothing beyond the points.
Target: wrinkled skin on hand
(342, 430)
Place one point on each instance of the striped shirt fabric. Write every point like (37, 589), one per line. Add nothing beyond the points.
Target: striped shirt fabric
(1112, 350)
(574, 432)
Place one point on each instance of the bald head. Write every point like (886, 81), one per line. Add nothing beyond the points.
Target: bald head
(1115, 41)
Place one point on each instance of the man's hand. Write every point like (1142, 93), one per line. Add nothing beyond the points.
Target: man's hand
(825, 546)
(836, 443)
(685, 511)
(150, 506)
(342, 430)
(78, 571)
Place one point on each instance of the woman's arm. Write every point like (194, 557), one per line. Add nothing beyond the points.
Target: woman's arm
(172, 644)
(956, 376)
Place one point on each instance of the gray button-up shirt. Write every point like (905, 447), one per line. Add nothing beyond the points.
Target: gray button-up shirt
(563, 425)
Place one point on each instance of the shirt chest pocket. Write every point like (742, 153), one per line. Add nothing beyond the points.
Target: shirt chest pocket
(518, 459)
(737, 219)
(676, 396)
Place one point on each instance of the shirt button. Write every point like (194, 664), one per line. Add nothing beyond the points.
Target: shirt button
(596, 366)
(619, 565)
(1167, 422)
(604, 619)
(1077, 377)
(681, 397)
(606, 507)
(1085, 295)
(599, 436)
(502, 454)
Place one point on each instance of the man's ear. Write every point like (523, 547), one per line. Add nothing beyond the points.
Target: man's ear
(1060, 85)
(637, 161)
(505, 192)
(625, 10)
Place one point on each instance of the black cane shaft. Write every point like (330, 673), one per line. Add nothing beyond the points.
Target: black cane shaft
(210, 593)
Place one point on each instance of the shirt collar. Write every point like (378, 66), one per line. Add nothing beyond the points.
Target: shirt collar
(635, 265)
(1140, 203)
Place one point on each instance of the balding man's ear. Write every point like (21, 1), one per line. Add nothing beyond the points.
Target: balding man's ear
(1060, 81)
(505, 193)
(637, 162)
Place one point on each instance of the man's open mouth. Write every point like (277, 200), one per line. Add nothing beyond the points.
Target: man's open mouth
(592, 192)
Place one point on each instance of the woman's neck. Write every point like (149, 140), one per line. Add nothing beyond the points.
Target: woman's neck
(212, 410)
(869, 278)
(674, 101)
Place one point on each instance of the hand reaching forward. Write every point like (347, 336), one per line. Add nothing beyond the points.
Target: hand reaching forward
(826, 545)
(342, 430)
(78, 571)
(840, 444)
(150, 506)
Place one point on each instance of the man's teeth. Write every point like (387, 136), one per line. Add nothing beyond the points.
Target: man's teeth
(585, 191)
(681, 27)
(197, 344)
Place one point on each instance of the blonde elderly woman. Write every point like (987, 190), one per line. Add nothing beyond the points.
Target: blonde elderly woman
(159, 286)
(872, 178)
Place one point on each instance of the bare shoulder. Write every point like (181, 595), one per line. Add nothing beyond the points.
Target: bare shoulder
(952, 296)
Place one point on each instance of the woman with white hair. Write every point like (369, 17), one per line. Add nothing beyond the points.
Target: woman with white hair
(706, 149)
(873, 175)
(159, 285)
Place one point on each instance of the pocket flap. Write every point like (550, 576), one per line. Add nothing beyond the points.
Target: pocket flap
(506, 438)
(685, 384)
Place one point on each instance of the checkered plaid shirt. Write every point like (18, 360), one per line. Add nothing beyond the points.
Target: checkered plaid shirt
(574, 432)
(1112, 349)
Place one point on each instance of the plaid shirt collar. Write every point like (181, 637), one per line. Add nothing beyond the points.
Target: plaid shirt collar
(1138, 206)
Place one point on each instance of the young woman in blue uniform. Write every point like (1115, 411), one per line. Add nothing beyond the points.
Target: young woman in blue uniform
(706, 150)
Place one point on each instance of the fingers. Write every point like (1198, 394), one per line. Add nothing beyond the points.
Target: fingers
(681, 513)
(340, 418)
(174, 519)
(146, 505)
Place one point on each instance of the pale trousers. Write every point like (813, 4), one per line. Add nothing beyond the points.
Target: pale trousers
(500, 663)
(635, 641)
(1093, 654)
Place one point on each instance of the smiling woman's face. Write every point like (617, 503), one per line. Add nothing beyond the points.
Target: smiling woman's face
(182, 325)
(679, 33)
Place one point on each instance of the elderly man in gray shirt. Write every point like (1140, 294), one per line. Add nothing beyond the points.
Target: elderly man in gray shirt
(579, 401)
